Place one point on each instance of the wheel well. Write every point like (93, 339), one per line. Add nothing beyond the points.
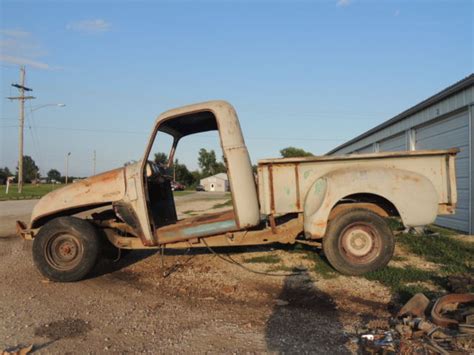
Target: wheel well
(67, 212)
(376, 203)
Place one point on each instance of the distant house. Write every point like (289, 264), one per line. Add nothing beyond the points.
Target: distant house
(218, 182)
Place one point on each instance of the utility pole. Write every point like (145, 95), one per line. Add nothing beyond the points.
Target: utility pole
(67, 166)
(22, 88)
(94, 160)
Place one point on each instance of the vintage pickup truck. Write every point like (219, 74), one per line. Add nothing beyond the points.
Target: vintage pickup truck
(341, 201)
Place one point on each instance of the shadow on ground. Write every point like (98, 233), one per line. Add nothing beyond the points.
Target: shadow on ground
(309, 323)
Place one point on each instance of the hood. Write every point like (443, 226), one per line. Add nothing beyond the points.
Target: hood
(94, 191)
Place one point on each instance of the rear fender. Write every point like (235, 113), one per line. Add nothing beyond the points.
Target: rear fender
(413, 195)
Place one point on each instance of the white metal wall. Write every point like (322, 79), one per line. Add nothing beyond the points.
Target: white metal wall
(394, 143)
(446, 124)
(452, 131)
(368, 149)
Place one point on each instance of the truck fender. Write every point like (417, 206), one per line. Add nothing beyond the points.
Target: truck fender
(412, 194)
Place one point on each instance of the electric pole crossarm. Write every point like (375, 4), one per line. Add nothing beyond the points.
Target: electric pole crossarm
(21, 87)
(21, 98)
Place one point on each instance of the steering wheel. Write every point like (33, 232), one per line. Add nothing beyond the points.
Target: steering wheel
(156, 172)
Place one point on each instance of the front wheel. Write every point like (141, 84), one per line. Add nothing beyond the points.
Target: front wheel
(66, 249)
(358, 241)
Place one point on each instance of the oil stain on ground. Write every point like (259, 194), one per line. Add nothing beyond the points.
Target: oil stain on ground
(65, 328)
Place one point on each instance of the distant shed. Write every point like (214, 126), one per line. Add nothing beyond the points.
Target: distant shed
(445, 120)
(218, 182)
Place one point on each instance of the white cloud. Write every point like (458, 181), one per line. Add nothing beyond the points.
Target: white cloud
(20, 47)
(89, 26)
(23, 61)
(15, 33)
(343, 3)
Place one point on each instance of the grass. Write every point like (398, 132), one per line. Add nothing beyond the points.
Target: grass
(321, 265)
(224, 204)
(267, 259)
(452, 255)
(183, 193)
(30, 191)
(407, 281)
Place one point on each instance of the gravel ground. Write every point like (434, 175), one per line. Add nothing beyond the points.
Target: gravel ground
(205, 305)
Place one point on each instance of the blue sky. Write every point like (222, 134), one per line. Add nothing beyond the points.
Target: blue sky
(310, 74)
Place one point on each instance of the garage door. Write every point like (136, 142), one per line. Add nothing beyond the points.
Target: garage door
(393, 144)
(449, 133)
(367, 149)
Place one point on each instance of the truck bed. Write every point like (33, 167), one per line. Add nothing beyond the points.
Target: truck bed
(283, 183)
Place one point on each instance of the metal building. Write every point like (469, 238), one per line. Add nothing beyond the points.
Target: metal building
(445, 120)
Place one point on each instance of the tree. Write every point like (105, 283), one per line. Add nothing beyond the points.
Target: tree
(292, 152)
(4, 174)
(182, 174)
(209, 164)
(161, 158)
(53, 174)
(30, 169)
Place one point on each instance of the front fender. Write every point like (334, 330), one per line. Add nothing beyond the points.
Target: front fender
(412, 194)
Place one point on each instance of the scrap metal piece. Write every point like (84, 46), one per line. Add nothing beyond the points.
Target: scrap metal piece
(416, 306)
(466, 328)
(378, 324)
(436, 312)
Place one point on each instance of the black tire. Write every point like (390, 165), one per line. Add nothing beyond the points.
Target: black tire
(358, 241)
(66, 249)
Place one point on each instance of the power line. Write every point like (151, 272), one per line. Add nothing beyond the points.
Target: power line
(99, 130)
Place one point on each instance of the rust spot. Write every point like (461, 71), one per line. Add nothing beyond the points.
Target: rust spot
(321, 224)
(297, 181)
(347, 206)
(272, 192)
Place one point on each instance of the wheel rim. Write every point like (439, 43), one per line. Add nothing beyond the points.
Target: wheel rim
(360, 243)
(63, 251)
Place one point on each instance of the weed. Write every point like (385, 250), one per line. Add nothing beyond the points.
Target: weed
(267, 259)
(395, 224)
(399, 279)
(321, 265)
(441, 230)
(454, 255)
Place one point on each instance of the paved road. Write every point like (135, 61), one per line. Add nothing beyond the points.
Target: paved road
(11, 211)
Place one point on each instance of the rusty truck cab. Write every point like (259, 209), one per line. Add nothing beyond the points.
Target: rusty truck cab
(149, 189)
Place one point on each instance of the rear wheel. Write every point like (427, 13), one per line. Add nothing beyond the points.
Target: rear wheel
(358, 241)
(66, 249)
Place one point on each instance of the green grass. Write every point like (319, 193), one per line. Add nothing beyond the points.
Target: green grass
(453, 255)
(30, 191)
(224, 204)
(395, 224)
(183, 193)
(406, 281)
(267, 259)
(321, 265)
